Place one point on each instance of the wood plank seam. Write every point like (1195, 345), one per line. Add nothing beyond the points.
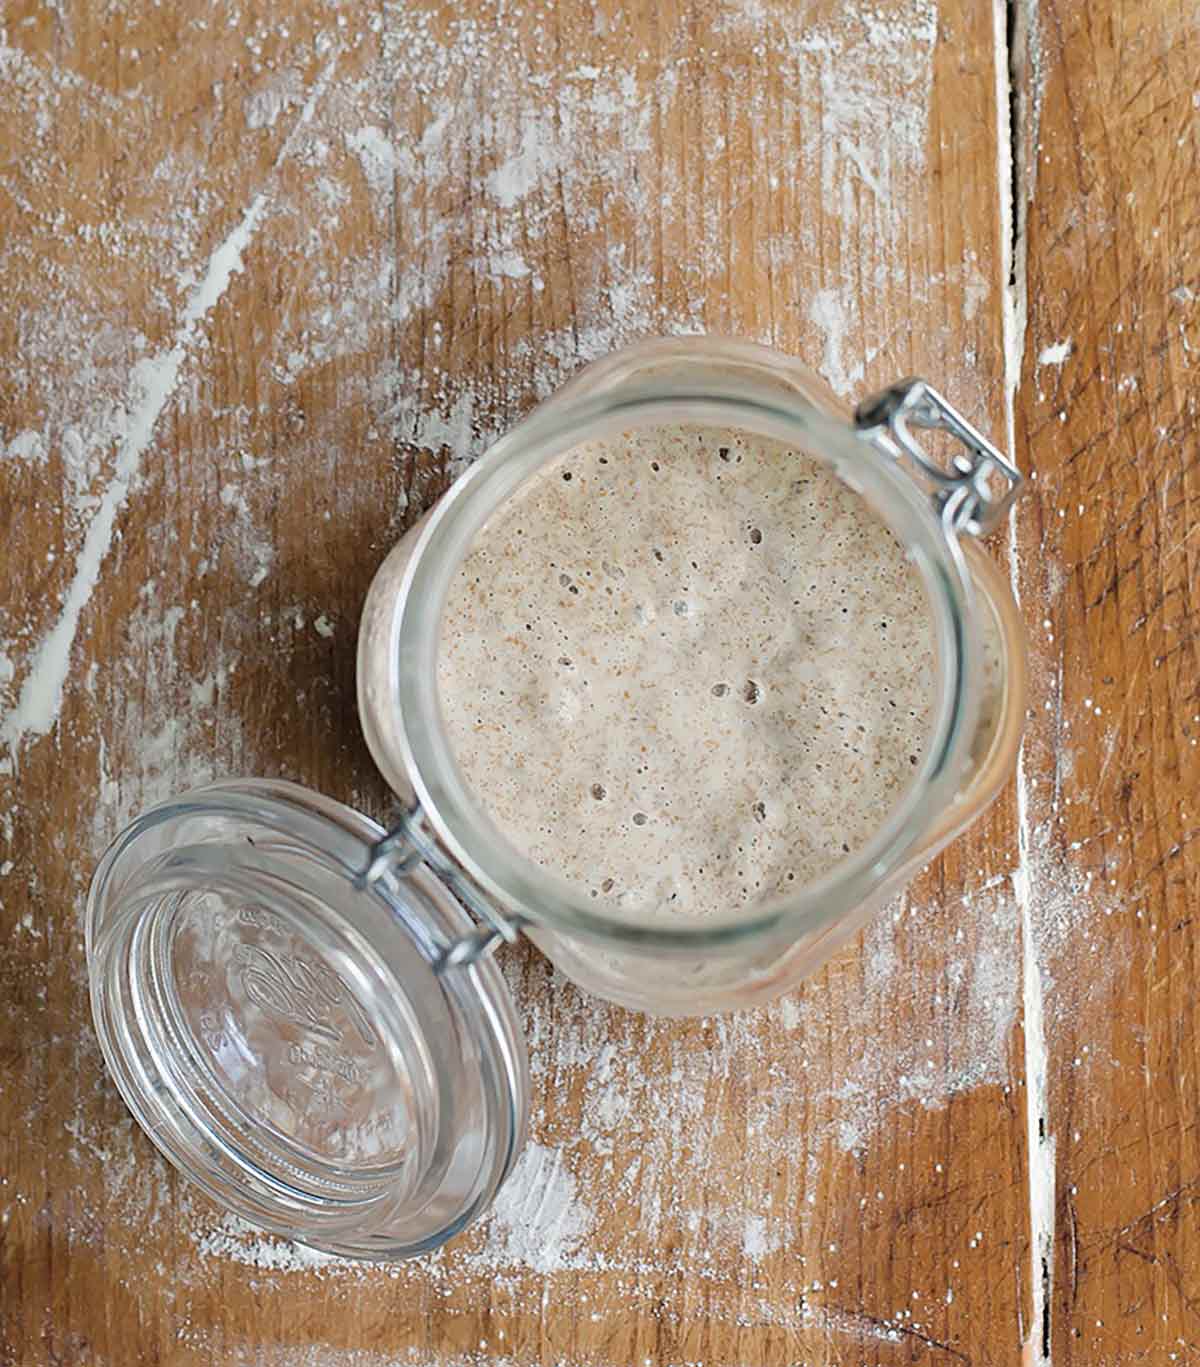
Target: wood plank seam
(1015, 21)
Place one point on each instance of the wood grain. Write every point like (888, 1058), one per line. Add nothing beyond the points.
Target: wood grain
(456, 207)
(1110, 567)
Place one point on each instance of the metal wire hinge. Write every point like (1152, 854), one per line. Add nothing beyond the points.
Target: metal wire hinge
(407, 845)
(966, 493)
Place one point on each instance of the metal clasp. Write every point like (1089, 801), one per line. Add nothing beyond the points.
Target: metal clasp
(963, 494)
(409, 844)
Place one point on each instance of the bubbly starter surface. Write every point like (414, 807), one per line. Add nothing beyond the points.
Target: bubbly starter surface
(687, 670)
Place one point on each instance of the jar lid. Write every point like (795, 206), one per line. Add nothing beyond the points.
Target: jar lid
(278, 995)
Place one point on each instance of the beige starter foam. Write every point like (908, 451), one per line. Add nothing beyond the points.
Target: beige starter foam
(687, 670)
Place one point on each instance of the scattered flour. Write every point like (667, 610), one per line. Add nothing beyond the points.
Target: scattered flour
(275, 96)
(232, 1238)
(153, 381)
(253, 549)
(693, 1174)
(758, 1239)
(379, 158)
(26, 446)
(828, 311)
(539, 1220)
(1056, 354)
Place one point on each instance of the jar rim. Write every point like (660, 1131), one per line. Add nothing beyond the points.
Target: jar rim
(426, 757)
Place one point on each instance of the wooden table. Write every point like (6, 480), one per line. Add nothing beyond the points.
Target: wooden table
(269, 274)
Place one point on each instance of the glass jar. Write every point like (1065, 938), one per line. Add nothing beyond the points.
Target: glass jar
(299, 1006)
(936, 513)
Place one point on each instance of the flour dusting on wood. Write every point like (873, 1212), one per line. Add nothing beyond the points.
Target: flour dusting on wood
(508, 175)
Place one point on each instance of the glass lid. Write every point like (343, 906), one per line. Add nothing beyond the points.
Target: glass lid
(280, 993)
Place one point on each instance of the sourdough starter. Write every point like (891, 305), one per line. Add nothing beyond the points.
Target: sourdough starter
(687, 670)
